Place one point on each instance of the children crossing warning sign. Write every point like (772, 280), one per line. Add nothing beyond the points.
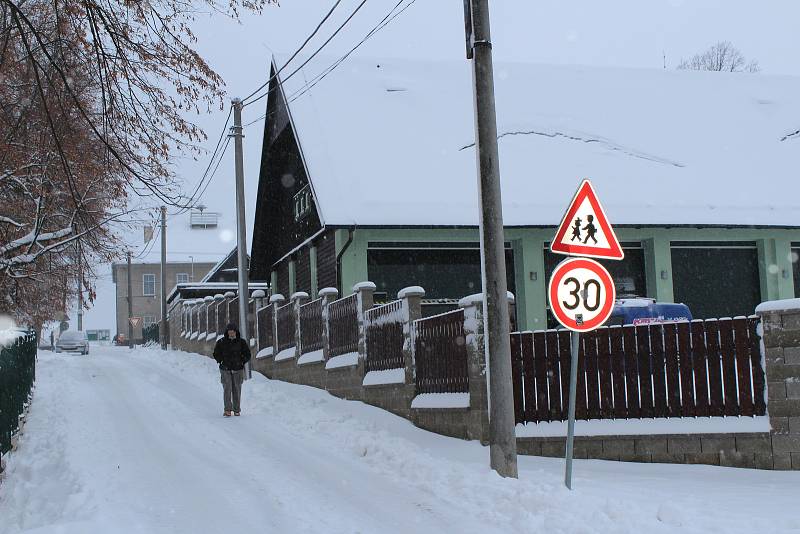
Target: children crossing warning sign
(585, 230)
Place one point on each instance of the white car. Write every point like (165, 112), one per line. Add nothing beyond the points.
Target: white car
(73, 341)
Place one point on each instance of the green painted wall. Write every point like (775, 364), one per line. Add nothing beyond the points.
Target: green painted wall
(773, 245)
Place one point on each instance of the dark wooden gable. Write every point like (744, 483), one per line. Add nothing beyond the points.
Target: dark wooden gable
(282, 184)
(226, 271)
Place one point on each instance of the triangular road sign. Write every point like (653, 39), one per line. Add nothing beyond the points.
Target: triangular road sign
(135, 321)
(585, 230)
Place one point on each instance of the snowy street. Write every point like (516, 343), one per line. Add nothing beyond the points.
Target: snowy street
(135, 442)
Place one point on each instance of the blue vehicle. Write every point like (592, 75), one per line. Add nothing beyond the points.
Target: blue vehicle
(641, 310)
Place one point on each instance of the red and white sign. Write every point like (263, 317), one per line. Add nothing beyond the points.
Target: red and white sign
(581, 294)
(585, 230)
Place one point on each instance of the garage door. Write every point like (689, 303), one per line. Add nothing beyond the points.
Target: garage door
(716, 279)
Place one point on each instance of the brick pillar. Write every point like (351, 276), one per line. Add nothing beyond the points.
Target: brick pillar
(476, 356)
(298, 299)
(219, 302)
(412, 310)
(365, 292)
(328, 295)
(276, 301)
(780, 323)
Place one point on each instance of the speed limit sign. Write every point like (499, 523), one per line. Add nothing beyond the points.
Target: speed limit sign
(581, 294)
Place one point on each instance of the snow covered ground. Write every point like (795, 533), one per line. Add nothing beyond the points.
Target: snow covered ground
(134, 442)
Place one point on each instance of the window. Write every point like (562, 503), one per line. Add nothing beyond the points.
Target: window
(148, 285)
(445, 270)
(148, 320)
(183, 278)
(716, 279)
(795, 257)
(302, 203)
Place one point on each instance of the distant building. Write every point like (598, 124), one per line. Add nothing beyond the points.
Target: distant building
(146, 290)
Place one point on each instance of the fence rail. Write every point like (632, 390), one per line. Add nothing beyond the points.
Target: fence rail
(343, 325)
(265, 326)
(384, 332)
(202, 317)
(702, 368)
(286, 326)
(441, 354)
(222, 317)
(311, 326)
(17, 375)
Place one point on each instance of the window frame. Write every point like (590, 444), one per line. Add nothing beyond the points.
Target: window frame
(178, 278)
(144, 285)
(146, 323)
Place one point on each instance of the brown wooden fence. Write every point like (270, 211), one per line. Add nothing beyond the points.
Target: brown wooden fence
(311, 326)
(702, 368)
(286, 326)
(251, 320)
(233, 311)
(196, 318)
(343, 325)
(384, 332)
(265, 326)
(441, 354)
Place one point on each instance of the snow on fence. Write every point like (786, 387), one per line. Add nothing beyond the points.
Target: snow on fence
(384, 336)
(265, 326)
(17, 374)
(343, 325)
(286, 326)
(311, 326)
(440, 355)
(702, 368)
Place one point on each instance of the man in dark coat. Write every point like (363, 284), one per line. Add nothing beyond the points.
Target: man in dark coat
(231, 353)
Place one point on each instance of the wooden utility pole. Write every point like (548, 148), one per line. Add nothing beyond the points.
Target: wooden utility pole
(502, 439)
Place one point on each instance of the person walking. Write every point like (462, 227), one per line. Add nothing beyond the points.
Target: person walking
(231, 353)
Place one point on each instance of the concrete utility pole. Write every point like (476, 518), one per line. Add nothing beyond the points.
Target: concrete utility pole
(164, 327)
(502, 440)
(130, 304)
(241, 230)
(80, 291)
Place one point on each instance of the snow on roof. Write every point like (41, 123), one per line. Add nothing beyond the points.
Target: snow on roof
(219, 264)
(390, 142)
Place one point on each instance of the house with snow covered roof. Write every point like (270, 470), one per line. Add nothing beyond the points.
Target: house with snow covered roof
(369, 173)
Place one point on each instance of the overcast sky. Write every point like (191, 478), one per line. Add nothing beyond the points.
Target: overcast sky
(623, 33)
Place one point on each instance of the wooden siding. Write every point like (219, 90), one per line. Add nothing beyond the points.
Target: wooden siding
(326, 261)
(302, 265)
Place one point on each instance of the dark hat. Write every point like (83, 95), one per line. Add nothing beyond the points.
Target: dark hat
(231, 326)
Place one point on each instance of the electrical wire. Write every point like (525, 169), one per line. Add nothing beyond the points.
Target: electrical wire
(312, 56)
(311, 36)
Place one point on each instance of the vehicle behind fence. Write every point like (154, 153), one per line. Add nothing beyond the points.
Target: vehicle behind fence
(680, 369)
(17, 374)
(150, 333)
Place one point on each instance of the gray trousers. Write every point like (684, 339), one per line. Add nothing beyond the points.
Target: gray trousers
(232, 389)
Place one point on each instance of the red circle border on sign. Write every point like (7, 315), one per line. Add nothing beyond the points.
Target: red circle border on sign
(552, 292)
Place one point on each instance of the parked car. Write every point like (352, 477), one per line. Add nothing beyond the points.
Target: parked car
(73, 341)
(120, 339)
(641, 310)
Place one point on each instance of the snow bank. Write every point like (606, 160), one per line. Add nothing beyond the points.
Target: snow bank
(265, 352)
(343, 360)
(311, 357)
(285, 354)
(632, 427)
(778, 305)
(388, 376)
(9, 336)
(441, 400)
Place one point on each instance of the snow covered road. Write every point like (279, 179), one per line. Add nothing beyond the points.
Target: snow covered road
(134, 442)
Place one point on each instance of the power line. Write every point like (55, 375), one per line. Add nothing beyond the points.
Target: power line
(324, 19)
(385, 21)
(312, 56)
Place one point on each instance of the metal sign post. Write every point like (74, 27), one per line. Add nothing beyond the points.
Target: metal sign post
(581, 291)
(575, 339)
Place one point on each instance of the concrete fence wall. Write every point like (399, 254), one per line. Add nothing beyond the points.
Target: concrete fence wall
(775, 448)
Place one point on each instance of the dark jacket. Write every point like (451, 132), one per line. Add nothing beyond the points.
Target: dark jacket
(231, 354)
